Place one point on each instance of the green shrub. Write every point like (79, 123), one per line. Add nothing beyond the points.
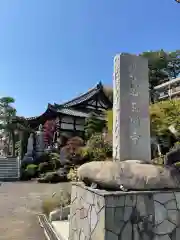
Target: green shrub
(109, 116)
(177, 164)
(162, 115)
(44, 167)
(53, 177)
(98, 148)
(72, 175)
(53, 202)
(83, 152)
(159, 160)
(93, 125)
(31, 170)
(54, 160)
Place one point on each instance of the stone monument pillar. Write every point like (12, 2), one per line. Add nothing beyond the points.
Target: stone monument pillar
(40, 145)
(30, 144)
(131, 124)
(28, 157)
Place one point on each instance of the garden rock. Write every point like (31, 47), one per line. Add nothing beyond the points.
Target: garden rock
(129, 175)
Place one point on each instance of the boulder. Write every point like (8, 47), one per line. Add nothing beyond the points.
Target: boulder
(129, 175)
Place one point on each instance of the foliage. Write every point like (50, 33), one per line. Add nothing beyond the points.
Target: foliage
(32, 166)
(54, 160)
(93, 125)
(49, 129)
(72, 175)
(162, 66)
(53, 177)
(177, 164)
(44, 167)
(24, 130)
(7, 111)
(83, 152)
(163, 114)
(109, 117)
(31, 170)
(53, 202)
(98, 148)
(10, 124)
(159, 160)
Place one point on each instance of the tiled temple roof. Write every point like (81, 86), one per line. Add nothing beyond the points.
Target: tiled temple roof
(84, 97)
(67, 108)
(72, 112)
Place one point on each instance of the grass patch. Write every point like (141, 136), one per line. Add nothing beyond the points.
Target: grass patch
(55, 201)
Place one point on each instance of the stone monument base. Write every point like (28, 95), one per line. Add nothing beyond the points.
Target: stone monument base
(28, 158)
(138, 215)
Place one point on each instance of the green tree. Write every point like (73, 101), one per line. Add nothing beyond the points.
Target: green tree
(163, 115)
(93, 125)
(109, 118)
(162, 66)
(7, 112)
(23, 128)
(10, 124)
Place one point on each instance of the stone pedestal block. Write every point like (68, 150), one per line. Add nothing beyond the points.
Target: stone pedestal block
(99, 215)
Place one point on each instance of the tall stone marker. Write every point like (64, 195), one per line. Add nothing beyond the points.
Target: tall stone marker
(131, 122)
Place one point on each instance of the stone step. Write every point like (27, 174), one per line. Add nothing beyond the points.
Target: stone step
(9, 169)
(9, 177)
(8, 160)
(4, 178)
(8, 166)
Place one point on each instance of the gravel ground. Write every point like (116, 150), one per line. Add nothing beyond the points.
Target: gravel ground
(19, 204)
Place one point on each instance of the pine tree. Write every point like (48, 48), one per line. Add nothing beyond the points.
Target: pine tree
(93, 125)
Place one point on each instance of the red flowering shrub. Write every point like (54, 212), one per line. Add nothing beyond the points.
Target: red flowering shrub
(49, 129)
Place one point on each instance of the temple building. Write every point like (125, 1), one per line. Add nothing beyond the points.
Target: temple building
(70, 116)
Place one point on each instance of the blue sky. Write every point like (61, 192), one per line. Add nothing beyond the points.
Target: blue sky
(53, 50)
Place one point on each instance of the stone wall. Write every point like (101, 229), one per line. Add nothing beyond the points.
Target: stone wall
(98, 215)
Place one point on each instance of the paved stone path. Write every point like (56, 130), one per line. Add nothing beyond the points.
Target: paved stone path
(19, 204)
